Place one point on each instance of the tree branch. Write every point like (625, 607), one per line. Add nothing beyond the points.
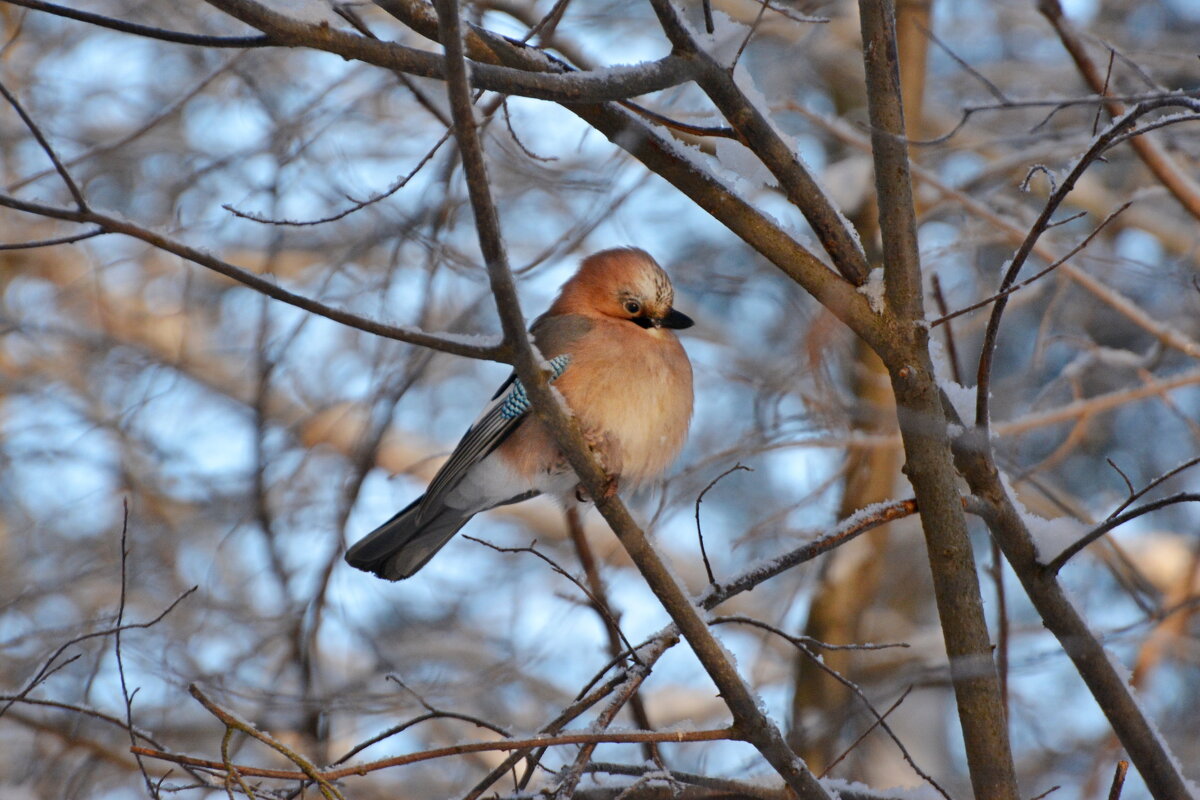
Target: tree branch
(749, 718)
(146, 31)
(1109, 137)
(1056, 565)
(329, 775)
(973, 455)
(663, 156)
(929, 462)
(758, 133)
(110, 224)
(1171, 174)
(612, 83)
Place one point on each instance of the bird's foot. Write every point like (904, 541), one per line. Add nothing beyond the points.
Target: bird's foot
(610, 490)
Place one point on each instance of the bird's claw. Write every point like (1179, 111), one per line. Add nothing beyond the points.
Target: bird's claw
(610, 490)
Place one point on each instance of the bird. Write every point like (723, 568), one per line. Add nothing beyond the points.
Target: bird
(609, 337)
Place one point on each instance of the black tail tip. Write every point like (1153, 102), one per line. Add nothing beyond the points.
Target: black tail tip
(374, 566)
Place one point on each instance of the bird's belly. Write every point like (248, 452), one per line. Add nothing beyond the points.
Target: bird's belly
(643, 412)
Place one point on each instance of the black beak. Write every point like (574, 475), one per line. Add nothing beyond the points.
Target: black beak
(675, 319)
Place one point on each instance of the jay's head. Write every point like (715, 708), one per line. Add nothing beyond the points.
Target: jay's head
(623, 284)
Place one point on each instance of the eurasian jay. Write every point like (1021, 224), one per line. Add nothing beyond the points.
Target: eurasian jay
(608, 337)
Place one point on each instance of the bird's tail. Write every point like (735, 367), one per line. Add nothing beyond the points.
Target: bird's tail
(405, 543)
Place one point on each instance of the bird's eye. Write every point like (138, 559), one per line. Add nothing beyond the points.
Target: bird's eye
(633, 306)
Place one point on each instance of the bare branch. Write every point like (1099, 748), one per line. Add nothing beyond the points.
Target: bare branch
(1110, 689)
(1118, 781)
(850, 528)
(662, 156)
(126, 696)
(1166, 476)
(929, 461)
(1016, 287)
(1107, 139)
(830, 226)
(146, 31)
(1113, 522)
(329, 775)
(233, 723)
(49, 667)
(613, 83)
(72, 187)
(1150, 151)
(602, 608)
(1169, 335)
(759, 730)
(78, 237)
(699, 533)
(262, 285)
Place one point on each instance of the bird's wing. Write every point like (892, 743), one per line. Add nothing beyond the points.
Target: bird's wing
(507, 410)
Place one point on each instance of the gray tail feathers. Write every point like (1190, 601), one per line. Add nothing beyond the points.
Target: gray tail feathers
(405, 543)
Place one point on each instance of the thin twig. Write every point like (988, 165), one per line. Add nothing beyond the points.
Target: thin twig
(126, 696)
(848, 529)
(329, 775)
(600, 607)
(49, 667)
(1128, 485)
(1133, 496)
(724, 786)
(1114, 522)
(699, 533)
(583, 701)
(762, 9)
(939, 300)
(803, 641)
(874, 724)
(491, 352)
(1118, 781)
(146, 31)
(78, 237)
(800, 644)
(403, 726)
(617, 643)
(704, 131)
(307, 769)
(1169, 335)
(570, 777)
(1101, 144)
(1166, 169)
(72, 187)
(992, 88)
(1103, 90)
(1016, 287)
(358, 205)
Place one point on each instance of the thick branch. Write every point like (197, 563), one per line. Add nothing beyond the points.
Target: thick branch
(613, 83)
(1110, 689)
(1169, 335)
(929, 464)
(751, 723)
(778, 156)
(665, 157)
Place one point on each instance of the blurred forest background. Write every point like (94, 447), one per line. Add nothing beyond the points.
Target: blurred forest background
(249, 441)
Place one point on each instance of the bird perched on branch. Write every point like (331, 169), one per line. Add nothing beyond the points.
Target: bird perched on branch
(614, 357)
